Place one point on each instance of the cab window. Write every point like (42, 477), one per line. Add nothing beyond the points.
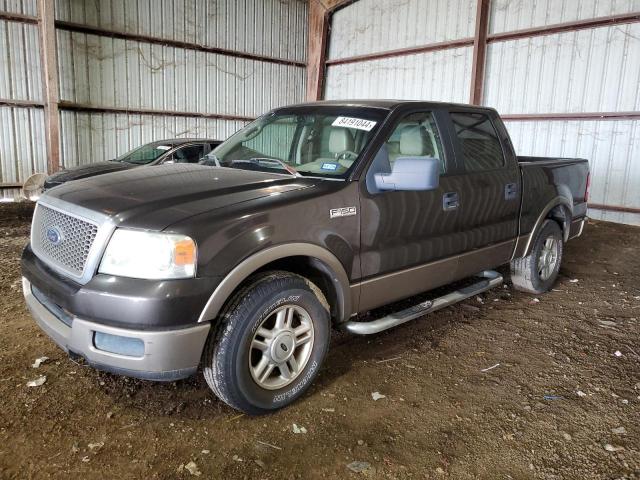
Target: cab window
(478, 142)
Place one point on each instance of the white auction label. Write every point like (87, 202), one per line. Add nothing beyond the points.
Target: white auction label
(350, 122)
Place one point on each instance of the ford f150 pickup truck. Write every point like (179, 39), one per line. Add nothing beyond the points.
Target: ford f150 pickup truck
(305, 219)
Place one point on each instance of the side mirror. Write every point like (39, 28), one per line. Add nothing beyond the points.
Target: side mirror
(411, 173)
(168, 161)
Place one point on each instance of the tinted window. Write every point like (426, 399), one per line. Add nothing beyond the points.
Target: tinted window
(189, 154)
(478, 141)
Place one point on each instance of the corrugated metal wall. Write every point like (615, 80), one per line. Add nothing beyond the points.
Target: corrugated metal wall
(587, 70)
(97, 70)
(590, 70)
(374, 26)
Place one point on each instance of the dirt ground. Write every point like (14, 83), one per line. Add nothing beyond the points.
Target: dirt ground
(562, 402)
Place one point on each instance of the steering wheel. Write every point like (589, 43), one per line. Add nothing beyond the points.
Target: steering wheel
(339, 155)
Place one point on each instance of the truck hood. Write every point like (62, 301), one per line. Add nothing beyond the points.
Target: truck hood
(85, 171)
(154, 198)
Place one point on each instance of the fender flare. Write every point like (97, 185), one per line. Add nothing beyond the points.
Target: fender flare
(557, 201)
(248, 266)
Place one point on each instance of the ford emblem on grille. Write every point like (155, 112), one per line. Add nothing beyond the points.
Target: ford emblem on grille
(54, 235)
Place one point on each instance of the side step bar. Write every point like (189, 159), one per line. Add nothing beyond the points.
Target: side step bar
(489, 280)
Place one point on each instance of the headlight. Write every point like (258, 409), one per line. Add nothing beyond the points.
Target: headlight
(150, 255)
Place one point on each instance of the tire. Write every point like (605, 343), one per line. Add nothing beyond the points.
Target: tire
(525, 272)
(235, 349)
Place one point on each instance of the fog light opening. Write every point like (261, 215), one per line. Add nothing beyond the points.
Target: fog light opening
(127, 346)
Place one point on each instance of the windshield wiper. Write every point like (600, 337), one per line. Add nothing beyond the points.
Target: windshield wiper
(260, 160)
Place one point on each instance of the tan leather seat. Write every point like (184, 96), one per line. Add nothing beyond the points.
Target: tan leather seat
(414, 142)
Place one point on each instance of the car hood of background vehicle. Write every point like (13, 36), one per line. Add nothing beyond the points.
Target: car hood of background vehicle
(154, 198)
(85, 171)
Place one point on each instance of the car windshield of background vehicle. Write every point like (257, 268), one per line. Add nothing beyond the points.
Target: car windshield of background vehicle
(144, 154)
(305, 144)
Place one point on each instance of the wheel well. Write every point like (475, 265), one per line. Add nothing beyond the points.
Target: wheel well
(561, 215)
(313, 270)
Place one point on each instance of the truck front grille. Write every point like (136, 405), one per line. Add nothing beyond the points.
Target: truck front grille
(62, 239)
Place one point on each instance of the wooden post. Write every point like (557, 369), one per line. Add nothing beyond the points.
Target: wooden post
(47, 30)
(319, 18)
(479, 52)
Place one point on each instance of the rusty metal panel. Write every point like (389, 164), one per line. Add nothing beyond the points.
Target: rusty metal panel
(104, 71)
(590, 70)
(370, 26)
(265, 27)
(510, 15)
(94, 137)
(20, 72)
(443, 75)
(22, 143)
(611, 146)
(24, 7)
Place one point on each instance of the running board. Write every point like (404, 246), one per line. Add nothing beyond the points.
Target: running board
(489, 280)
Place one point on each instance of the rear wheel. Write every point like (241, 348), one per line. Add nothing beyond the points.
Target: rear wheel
(269, 344)
(537, 272)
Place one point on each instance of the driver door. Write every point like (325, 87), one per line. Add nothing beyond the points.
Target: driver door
(409, 239)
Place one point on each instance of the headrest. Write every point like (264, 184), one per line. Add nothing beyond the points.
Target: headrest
(340, 139)
(414, 141)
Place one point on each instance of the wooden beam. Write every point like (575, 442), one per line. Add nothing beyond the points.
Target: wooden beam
(566, 27)
(524, 117)
(90, 30)
(47, 30)
(18, 17)
(318, 28)
(7, 102)
(401, 52)
(81, 107)
(614, 208)
(479, 52)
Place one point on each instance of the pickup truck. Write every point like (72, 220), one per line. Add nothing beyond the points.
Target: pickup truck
(309, 218)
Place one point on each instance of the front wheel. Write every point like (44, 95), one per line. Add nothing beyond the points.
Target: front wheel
(269, 344)
(537, 272)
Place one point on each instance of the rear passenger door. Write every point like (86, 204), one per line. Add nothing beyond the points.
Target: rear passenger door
(489, 191)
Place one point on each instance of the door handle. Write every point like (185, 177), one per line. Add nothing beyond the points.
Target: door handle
(510, 191)
(450, 201)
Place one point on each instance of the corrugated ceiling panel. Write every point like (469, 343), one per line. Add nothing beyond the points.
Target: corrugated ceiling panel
(22, 143)
(369, 26)
(103, 71)
(612, 148)
(443, 75)
(275, 28)
(509, 15)
(20, 76)
(584, 71)
(25, 7)
(93, 137)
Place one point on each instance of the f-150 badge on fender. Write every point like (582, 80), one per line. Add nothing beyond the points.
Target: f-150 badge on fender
(342, 212)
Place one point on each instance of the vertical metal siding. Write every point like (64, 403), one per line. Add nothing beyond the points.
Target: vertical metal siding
(369, 26)
(265, 27)
(22, 143)
(583, 71)
(509, 15)
(443, 75)
(93, 137)
(612, 148)
(24, 7)
(20, 73)
(103, 71)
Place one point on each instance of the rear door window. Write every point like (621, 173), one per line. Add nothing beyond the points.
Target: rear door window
(478, 142)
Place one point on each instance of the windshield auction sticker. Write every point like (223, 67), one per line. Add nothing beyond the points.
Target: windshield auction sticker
(350, 122)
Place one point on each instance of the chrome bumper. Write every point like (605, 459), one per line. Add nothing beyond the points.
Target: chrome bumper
(168, 354)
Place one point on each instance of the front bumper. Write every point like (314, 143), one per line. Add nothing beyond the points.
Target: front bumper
(168, 354)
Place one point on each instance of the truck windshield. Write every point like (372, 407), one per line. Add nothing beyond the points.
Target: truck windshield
(304, 144)
(144, 154)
